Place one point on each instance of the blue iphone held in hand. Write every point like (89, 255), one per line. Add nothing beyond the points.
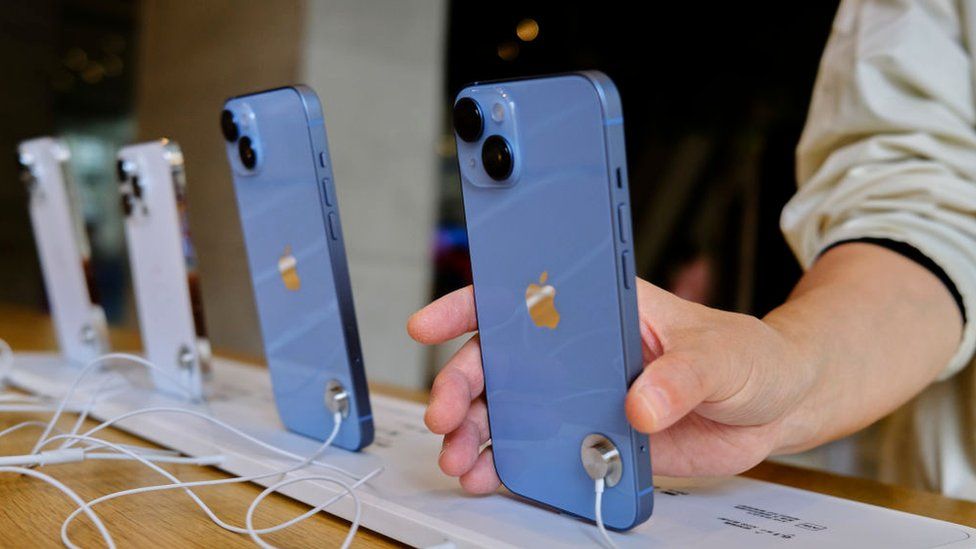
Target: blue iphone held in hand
(543, 177)
(278, 153)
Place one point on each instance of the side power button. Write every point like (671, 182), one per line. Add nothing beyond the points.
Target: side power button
(628, 269)
(333, 226)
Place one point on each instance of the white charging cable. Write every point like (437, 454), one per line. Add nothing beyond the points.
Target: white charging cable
(249, 529)
(52, 457)
(143, 450)
(34, 408)
(75, 455)
(100, 393)
(185, 486)
(601, 461)
(99, 525)
(209, 512)
(45, 458)
(203, 461)
(147, 456)
(22, 425)
(249, 519)
(598, 485)
(318, 508)
(83, 415)
(15, 402)
(84, 372)
(221, 424)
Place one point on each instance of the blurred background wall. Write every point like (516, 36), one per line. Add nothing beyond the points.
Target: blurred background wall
(193, 56)
(67, 69)
(26, 43)
(378, 66)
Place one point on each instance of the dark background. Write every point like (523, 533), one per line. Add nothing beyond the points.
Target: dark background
(68, 68)
(715, 96)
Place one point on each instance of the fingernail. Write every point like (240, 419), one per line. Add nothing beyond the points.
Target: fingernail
(655, 402)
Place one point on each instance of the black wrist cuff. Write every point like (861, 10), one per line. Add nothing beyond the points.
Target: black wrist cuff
(909, 251)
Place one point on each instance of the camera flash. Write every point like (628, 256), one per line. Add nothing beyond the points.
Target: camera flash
(498, 112)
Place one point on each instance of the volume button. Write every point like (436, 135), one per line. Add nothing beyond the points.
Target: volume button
(326, 191)
(623, 222)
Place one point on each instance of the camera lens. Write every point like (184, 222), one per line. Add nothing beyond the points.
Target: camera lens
(249, 157)
(496, 156)
(228, 126)
(468, 122)
(120, 171)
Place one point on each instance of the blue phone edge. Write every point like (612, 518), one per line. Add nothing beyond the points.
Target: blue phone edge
(340, 263)
(613, 127)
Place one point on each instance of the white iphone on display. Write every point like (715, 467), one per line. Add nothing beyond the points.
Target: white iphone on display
(63, 250)
(152, 188)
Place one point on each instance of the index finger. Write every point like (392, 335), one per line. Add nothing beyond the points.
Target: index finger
(446, 318)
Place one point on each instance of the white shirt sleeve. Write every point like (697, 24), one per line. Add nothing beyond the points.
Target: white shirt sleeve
(889, 148)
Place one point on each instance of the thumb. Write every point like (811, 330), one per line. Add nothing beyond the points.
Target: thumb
(669, 388)
(737, 365)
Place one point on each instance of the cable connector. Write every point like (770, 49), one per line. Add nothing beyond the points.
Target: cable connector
(337, 399)
(64, 455)
(602, 462)
(52, 457)
(601, 459)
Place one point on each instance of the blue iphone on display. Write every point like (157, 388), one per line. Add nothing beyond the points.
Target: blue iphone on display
(544, 182)
(279, 157)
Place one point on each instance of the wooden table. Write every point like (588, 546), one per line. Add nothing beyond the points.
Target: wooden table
(31, 512)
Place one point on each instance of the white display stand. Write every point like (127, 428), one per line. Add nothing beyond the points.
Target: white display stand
(413, 502)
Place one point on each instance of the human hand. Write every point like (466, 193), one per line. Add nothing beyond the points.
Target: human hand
(717, 395)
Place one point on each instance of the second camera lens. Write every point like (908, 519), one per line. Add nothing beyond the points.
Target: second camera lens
(249, 157)
(468, 122)
(228, 126)
(496, 156)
